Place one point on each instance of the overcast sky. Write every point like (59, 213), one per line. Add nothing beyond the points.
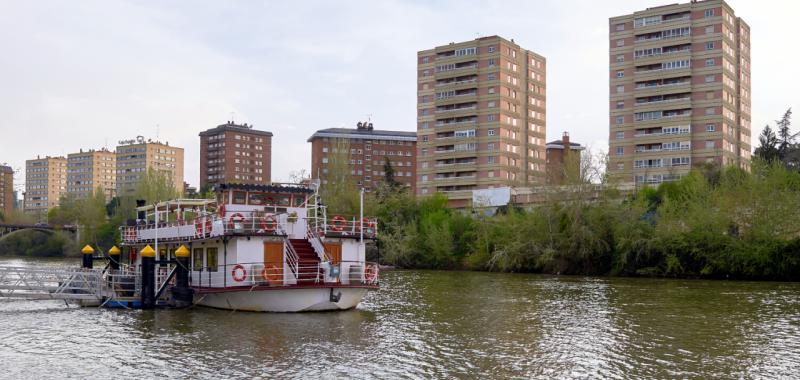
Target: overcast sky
(85, 74)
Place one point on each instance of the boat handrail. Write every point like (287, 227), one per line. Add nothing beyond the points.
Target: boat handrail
(271, 274)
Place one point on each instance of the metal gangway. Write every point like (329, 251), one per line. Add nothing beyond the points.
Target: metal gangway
(88, 286)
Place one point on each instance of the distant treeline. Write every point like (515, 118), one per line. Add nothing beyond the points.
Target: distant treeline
(712, 223)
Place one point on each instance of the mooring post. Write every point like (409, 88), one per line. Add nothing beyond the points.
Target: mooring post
(148, 294)
(113, 257)
(88, 252)
(182, 294)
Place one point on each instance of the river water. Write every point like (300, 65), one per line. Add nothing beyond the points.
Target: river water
(432, 324)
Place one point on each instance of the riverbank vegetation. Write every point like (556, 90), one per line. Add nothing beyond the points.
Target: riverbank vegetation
(712, 223)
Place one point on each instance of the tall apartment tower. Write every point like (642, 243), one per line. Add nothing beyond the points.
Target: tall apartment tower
(135, 157)
(6, 190)
(679, 91)
(365, 152)
(234, 153)
(480, 117)
(45, 184)
(86, 171)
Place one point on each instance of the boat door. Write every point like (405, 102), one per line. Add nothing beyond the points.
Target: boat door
(273, 263)
(335, 250)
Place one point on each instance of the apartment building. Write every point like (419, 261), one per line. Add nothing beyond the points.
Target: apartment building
(6, 190)
(679, 91)
(563, 160)
(364, 152)
(481, 119)
(235, 153)
(135, 157)
(45, 184)
(86, 171)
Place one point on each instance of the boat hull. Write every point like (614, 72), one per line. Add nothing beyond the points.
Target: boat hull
(284, 300)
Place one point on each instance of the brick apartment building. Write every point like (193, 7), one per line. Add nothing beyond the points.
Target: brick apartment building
(135, 157)
(563, 160)
(679, 91)
(234, 153)
(86, 171)
(45, 184)
(6, 190)
(481, 117)
(365, 151)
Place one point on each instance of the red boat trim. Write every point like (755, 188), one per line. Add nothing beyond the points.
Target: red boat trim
(205, 290)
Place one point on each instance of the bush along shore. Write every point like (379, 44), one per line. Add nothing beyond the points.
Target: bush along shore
(713, 223)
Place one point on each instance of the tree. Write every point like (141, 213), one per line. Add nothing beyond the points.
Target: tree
(389, 170)
(155, 186)
(784, 133)
(338, 190)
(768, 148)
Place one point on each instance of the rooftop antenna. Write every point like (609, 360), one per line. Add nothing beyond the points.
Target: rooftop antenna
(157, 129)
(369, 117)
(232, 114)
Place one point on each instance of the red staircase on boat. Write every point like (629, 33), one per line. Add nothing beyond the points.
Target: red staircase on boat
(308, 262)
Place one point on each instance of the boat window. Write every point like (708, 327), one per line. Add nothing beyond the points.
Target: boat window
(256, 199)
(239, 197)
(283, 200)
(211, 259)
(269, 201)
(162, 254)
(197, 259)
(298, 200)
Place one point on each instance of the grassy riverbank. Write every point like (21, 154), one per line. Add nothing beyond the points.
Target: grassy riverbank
(712, 223)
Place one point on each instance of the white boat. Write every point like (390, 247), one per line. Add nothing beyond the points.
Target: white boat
(265, 248)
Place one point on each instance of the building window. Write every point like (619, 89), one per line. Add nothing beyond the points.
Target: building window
(710, 78)
(620, 27)
(620, 104)
(620, 89)
(620, 42)
(491, 62)
(711, 128)
(424, 138)
(710, 111)
(709, 45)
(324, 160)
(491, 76)
(621, 58)
(491, 118)
(710, 62)
(620, 135)
(709, 13)
(491, 132)
(620, 120)
(620, 73)
(620, 151)
(491, 104)
(425, 59)
(709, 144)
(621, 166)
(709, 29)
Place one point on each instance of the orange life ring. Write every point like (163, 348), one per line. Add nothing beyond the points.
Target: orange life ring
(269, 223)
(369, 225)
(265, 273)
(235, 273)
(234, 217)
(338, 223)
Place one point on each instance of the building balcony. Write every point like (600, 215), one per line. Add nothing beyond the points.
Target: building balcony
(456, 83)
(453, 110)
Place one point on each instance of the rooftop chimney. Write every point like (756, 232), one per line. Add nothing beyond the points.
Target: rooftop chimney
(565, 139)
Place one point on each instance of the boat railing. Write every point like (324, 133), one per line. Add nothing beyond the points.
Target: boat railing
(292, 260)
(316, 243)
(272, 274)
(349, 226)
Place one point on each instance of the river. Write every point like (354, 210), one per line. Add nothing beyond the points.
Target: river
(432, 324)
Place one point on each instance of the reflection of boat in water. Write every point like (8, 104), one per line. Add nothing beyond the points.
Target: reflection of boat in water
(257, 248)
